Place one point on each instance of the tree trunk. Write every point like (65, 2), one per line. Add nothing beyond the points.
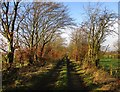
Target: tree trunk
(31, 59)
(10, 56)
(42, 49)
(31, 56)
(36, 56)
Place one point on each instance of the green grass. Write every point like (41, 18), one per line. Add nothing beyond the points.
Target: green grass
(110, 63)
(107, 62)
(62, 79)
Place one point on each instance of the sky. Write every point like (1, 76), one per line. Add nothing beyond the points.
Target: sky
(76, 8)
(76, 11)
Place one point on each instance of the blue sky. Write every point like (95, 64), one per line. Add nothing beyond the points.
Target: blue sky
(76, 8)
(76, 11)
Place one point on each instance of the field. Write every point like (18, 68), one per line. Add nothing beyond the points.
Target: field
(111, 65)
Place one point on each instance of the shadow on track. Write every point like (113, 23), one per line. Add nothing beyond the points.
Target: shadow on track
(43, 81)
(75, 82)
(47, 80)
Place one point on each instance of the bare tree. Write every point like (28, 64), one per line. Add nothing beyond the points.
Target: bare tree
(56, 19)
(30, 28)
(41, 24)
(98, 25)
(79, 39)
(8, 18)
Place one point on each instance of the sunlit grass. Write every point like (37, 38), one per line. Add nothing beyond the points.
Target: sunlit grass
(109, 63)
(86, 77)
(80, 71)
(95, 78)
(62, 79)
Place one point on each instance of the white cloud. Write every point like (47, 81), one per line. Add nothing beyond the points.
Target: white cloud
(111, 39)
(66, 34)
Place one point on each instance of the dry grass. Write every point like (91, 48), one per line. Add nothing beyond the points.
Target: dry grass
(94, 76)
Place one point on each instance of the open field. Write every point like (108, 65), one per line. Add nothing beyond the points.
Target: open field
(110, 64)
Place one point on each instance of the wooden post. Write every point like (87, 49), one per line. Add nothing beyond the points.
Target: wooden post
(111, 70)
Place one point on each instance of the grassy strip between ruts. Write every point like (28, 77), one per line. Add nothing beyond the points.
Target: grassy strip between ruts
(61, 83)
